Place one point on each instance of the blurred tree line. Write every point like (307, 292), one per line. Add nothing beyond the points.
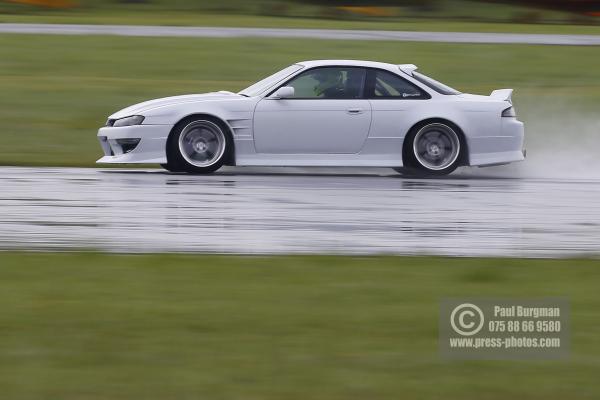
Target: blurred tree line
(583, 6)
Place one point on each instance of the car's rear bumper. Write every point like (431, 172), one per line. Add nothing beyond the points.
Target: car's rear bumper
(150, 149)
(504, 148)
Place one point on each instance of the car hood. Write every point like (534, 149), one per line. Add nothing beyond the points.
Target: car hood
(142, 108)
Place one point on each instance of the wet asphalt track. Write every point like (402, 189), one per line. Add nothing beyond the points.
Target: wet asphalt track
(333, 34)
(298, 211)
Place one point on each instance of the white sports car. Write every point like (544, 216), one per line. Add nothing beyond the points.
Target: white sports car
(322, 113)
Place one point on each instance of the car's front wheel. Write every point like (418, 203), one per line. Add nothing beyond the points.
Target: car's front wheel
(433, 149)
(198, 146)
(170, 167)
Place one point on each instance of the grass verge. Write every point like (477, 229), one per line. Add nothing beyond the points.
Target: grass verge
(100, 326)
(186, 18)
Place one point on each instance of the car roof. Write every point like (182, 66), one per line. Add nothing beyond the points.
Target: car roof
(355, 63)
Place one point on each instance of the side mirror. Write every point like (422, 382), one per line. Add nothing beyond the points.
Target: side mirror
(284, 92)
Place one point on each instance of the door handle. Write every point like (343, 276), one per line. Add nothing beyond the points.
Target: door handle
(354, 111)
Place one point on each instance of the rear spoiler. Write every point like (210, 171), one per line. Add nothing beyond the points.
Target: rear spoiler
(407, 68)
(502, 94)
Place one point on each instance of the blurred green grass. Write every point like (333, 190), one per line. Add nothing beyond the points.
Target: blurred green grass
(99, 326)
(57, 90)
(179, 18)
(433, 15)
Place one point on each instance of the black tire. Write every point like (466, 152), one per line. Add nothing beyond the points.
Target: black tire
(407, 171)
(169, 167)
(432, 149)
(198, 145)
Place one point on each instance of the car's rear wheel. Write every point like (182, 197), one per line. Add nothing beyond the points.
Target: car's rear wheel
(432, 149)
(197, 146)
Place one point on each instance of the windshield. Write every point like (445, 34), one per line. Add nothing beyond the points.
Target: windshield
(269, 81)
(433, 84)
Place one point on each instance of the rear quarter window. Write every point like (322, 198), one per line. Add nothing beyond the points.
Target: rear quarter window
(433, 84)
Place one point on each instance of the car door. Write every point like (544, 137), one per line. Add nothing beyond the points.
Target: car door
(327, 114)
(394, 102)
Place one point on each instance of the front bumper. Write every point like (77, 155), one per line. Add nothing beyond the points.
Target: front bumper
(151, 149)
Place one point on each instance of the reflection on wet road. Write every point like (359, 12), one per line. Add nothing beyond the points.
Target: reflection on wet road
(295, 211)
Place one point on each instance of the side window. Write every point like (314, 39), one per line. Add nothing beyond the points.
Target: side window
(384, 84)
(329, 83)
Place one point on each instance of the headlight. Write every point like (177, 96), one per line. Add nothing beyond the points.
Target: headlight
(128, 121)
(509, 112)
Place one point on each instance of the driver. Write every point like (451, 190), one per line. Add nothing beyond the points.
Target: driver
(330, 84)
